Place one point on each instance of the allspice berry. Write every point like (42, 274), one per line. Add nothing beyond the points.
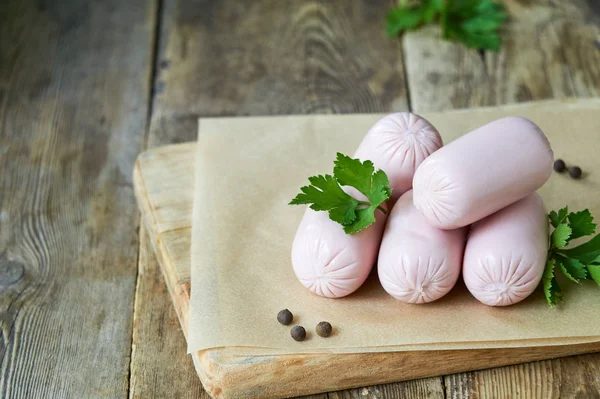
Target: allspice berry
(285, 317)
(559, 166)
(575, 172)
(298, 333)
(324, 329)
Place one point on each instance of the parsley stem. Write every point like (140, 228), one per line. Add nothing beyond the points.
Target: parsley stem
(367, 203)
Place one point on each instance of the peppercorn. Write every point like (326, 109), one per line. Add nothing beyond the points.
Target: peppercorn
(324, 329)
(285, 317)
(298, 333)
(575, 172)
(559, 166)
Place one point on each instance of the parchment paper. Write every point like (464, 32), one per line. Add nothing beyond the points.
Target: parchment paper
(247, 171)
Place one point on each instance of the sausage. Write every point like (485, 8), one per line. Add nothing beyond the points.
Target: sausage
(398, 143)
(482, 172)
(417, 262)
(506, 253)
(332, 263)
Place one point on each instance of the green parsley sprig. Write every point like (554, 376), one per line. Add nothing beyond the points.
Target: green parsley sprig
(576, 264)
(325, 193)
(475, 23)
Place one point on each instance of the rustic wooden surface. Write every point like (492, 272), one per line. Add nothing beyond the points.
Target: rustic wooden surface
(158, 339)
(74, 96)
(78, 82)
(165, 196)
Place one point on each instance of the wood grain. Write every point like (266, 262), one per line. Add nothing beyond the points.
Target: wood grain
(424, 388)
(228, 372)
(160, 367)
(273, 57)
(234, 376)
(570, 377)
(549, 51)
(74, 87)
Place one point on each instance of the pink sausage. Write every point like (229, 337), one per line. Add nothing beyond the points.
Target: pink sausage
(418, 263)
(332, 263)
(482, 172)
(506, 253)
(398, 143)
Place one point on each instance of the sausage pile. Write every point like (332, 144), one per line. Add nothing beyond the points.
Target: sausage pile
(470, 206)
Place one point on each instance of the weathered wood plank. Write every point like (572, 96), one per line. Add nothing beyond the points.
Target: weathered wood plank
(549, 51)
(424, 388)
(160, 366)
(569, 377)
(281, 58)
(273, 57)
(74, 83)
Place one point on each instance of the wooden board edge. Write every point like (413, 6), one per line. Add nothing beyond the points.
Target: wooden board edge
(179, 291)
(230, 377)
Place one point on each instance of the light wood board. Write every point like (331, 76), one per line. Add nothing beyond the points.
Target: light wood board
(163, 182)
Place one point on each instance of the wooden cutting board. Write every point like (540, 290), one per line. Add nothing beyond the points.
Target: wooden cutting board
(163, 179)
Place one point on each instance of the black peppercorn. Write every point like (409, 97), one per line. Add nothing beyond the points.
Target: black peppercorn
(559, 166)
(324, 329)
(298, 333)
(575, 172)
(285, 317)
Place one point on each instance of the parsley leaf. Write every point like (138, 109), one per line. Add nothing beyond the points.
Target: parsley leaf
(581, 262)
(582, 223)
(594, 271)
(571, 268)
(585, 253)
(362, 176)
(560, 236)
(402, 19)
(410, 17)
(557, 218)
(475, 23)
(551, 288)
(431, 10)
(325, 193)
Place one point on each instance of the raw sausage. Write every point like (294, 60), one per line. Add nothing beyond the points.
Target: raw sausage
(398, 143)
(332, 263)
(418, 263)
(506, 253)
(482, 172)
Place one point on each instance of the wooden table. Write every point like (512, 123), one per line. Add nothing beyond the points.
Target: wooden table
(85, 86)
